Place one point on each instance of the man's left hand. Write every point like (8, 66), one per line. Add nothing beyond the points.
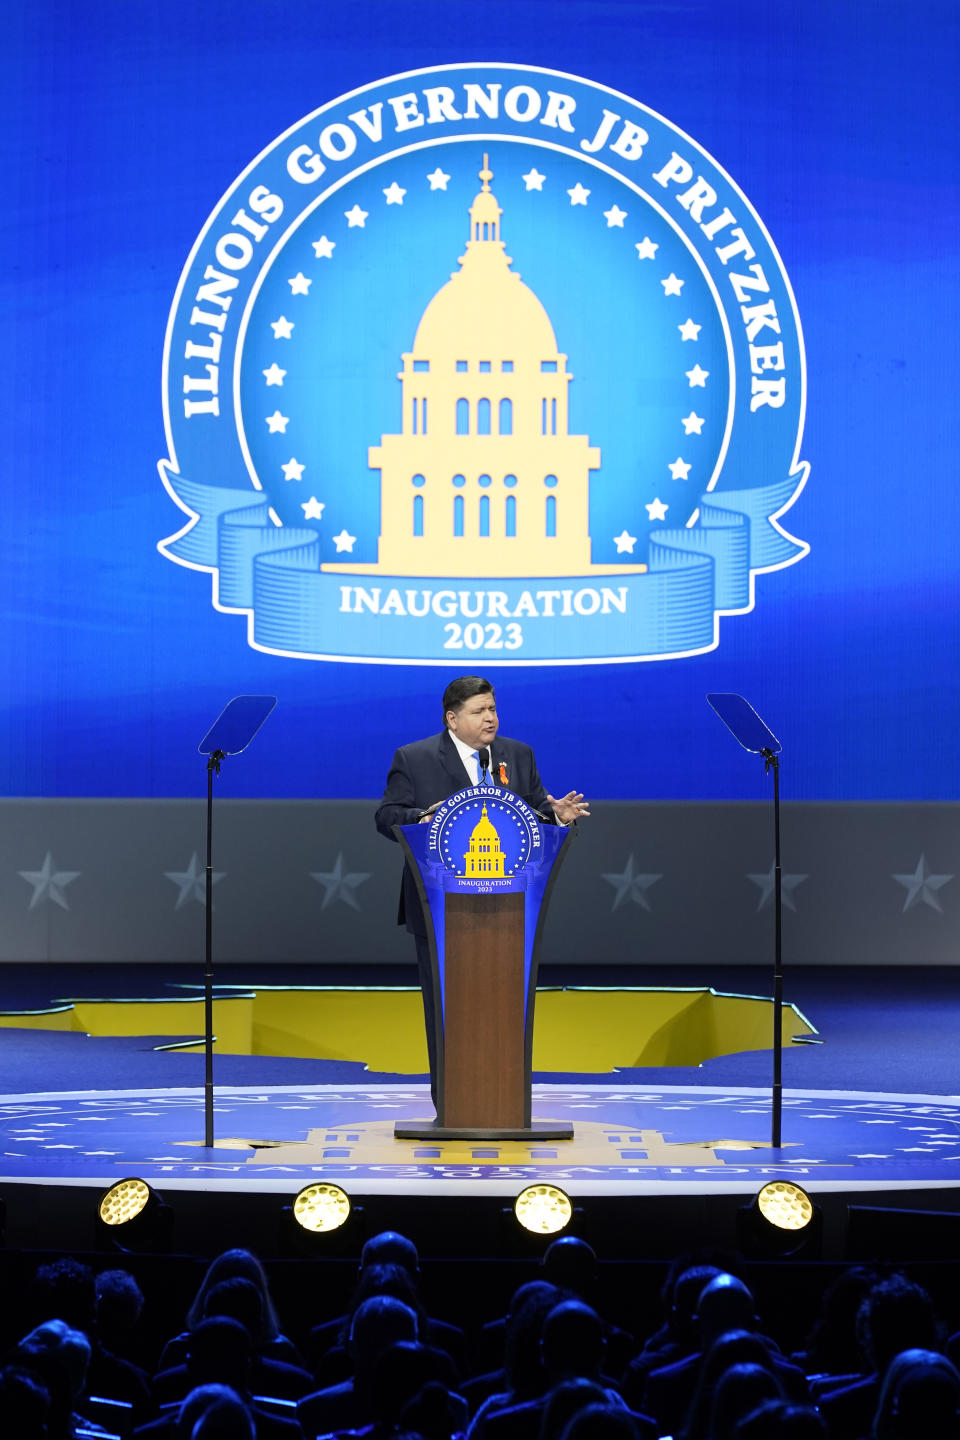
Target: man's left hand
(570, 807)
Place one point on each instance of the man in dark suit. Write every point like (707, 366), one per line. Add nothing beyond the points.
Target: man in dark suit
(467, 751)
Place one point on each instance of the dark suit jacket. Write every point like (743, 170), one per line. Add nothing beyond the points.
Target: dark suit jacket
(431, 770)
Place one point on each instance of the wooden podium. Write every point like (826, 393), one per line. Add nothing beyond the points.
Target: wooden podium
(483, 926)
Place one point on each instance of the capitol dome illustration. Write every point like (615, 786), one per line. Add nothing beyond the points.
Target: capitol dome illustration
(484, 479)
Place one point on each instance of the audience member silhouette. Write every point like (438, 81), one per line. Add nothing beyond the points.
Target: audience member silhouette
(409, 1390)
(603, 1422)
(737, 1393)
(118, 1310)
(832, 1349)
(24, 1404)
(57, 1356)
(233, 1265)
(781, 1420)
(677, 1338)
(379, 1322)
(387, 1249)
(219, 1354)
(896, 1315)
(571, 1264)
(522, 1377)
(566, 1400)
(920, 1396)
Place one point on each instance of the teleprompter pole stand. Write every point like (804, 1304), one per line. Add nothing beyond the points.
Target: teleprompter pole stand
(213, 768)
(747, 728)
(230, 734)
(771, 761)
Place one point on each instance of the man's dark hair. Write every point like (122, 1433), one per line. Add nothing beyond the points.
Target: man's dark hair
(459, 691)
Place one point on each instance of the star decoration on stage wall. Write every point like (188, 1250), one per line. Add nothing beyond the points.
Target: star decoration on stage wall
(274, 375)
(578, 194)
(48, 883)
(788, 883)
(671, 286)
(278, 423)
(344, 541)
(631, 885)
(192, 882)
(657, 510)
(299, 284)
(438, 180)
(624, 542)
(355, 217)
(393, 194)
(293, 469)
(324, 248)
(339, 886)
(922, 887)
(646, 248)
(614, 217)
(312, 508)
(282, 328)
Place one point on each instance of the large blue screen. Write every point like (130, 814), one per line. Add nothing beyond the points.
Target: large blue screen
(764, 467)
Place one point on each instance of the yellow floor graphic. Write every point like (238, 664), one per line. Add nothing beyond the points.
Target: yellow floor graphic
(577, 1029)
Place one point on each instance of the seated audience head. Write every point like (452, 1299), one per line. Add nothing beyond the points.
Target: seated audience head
(529, 1308)
(725, 1303)
(572, 1341)
(565, 1400)
(684, 1298)
(435, 1413)
(391, 1248)
(920, 1396)
(219, 1352)
(240, 1300)
(196, 1404)
(601, 1422)
(56, 1351)
(832, 1346)
(225, 1420)
(119, 1302)
(737, 1393)
(780, 1420)
(24, 1404)
(400, 1373)
(379, 1322)
(64, 1288)
(896, 1315)
(235, 1264)
(736, 1347)
(571, 1264)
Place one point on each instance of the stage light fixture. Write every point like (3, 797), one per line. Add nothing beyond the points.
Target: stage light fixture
(134, 1216)
(321, 1208)
(543, 1209)
(785, 1206)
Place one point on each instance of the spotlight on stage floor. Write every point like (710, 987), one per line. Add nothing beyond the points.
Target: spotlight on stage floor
(133, 1217)
(543, 1209)
(782, 1221)
(321, 1220)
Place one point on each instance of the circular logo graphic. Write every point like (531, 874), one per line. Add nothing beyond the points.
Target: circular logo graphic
(484, 358)
(485, 833)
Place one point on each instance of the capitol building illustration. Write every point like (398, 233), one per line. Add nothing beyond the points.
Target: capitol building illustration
(484, 479)
(485, 856)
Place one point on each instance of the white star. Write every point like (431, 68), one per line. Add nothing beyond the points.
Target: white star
(276, 421)
(355, 217)
(192, 882)
(671, 286)
(438, 180)
(338, 886)
(299, 284)
(679, 469)
(293, 470)
(274, 375)
(631, 886)
(614, 216)
(692, 424)
(657, 510)
(788, 883)
(48, 883)
(533, 179)
(921, 887)
(646, 248)
(282, 328)
(312, 508)
(324, 248)
(394, 194)
(623, 541)
(689, 331)
(578, 195)
(344, 541)
(696, 376)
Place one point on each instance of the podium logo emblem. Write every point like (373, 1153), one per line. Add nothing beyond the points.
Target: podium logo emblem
(490, 359)
(485, 836)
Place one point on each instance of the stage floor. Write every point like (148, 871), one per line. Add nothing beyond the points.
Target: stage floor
(628, 1139)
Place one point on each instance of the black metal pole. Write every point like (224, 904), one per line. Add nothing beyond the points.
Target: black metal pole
(772, 760)
(213, 767)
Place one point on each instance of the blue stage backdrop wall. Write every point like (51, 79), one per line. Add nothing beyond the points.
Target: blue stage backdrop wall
(736, 227)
